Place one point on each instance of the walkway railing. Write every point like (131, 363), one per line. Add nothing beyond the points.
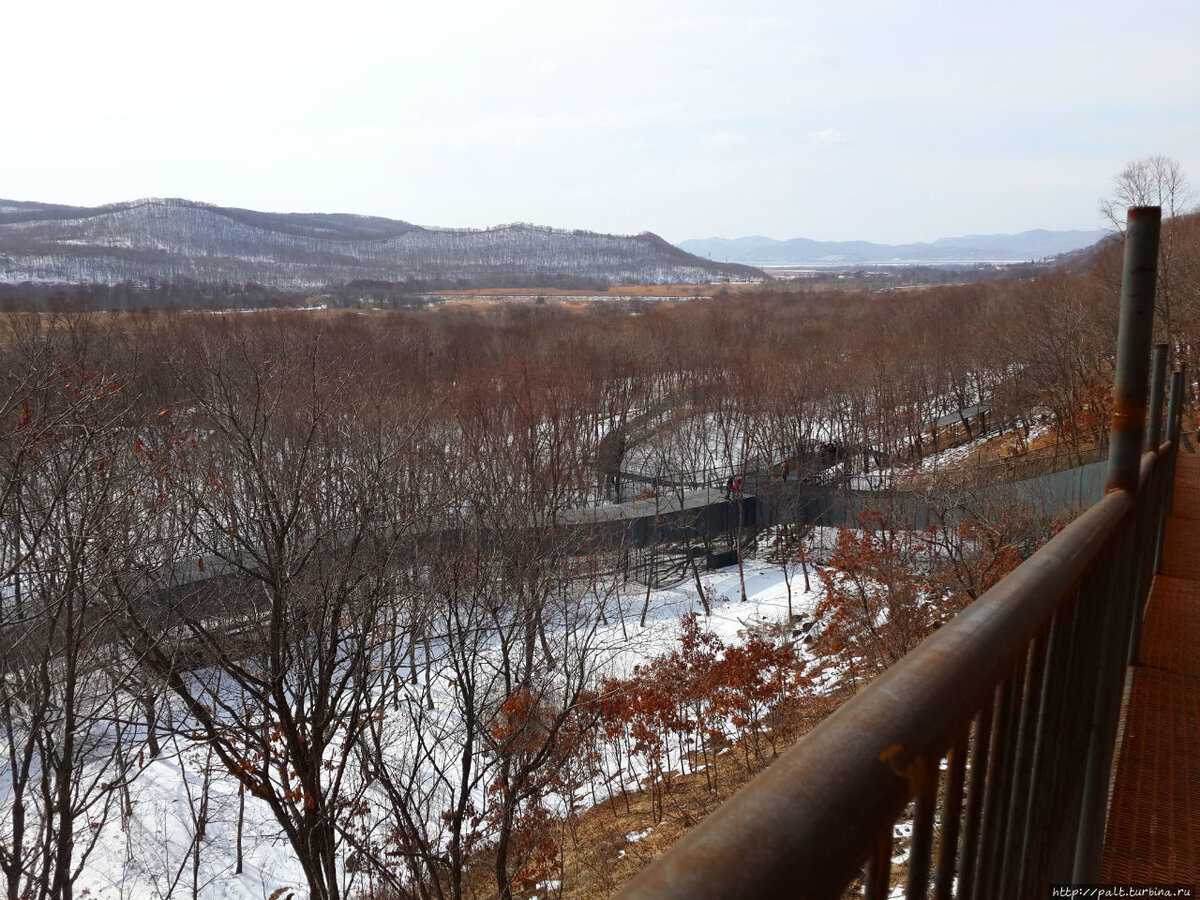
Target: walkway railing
(998, 729)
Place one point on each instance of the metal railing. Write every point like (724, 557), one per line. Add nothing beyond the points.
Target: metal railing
(998, 729)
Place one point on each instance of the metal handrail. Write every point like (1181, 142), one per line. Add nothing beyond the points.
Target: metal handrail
(805, 827)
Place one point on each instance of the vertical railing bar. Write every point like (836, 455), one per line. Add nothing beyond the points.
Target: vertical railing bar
(1149, 541)
(1095, 592)
(1174, 409)
(1173, 435)
(1074, 721)
(980, 751)
(878, 876)
(1022, 764)
(920, 847)
(1111, 651)
(951, 819)
(1139, 560)
(1049, 708)
(991, 812)
(1003, 766)
(1158, 371)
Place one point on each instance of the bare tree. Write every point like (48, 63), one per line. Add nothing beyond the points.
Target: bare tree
(65, 519)
(1155, 181)
(1152, 181)
(284, 480)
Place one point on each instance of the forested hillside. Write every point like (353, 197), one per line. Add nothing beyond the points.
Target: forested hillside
(170, 241)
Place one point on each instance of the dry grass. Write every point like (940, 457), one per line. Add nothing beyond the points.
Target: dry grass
(583, 299)
(616, 290)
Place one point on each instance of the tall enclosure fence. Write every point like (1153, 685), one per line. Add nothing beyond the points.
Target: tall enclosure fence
(996, 734)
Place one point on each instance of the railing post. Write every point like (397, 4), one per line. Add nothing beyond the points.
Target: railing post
(1124, 468)
(1158, 371)
(1133, 347)
(1175, 408)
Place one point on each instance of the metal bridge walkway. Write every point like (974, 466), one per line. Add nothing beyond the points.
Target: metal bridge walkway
(1153, 832)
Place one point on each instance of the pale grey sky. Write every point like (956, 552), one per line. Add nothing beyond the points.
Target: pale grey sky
(886, 121)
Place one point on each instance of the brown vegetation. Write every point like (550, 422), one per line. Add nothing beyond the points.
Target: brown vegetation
(359, 522)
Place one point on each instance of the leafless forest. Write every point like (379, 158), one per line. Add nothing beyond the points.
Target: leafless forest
(337, 552)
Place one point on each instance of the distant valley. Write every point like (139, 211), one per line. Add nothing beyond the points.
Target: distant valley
(965, 250)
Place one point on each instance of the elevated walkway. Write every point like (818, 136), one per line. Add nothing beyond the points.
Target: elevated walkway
(1153, 832)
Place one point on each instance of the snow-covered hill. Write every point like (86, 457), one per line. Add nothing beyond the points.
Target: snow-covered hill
(173, 240)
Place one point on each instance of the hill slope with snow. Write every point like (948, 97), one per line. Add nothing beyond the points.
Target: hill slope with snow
(177, 240)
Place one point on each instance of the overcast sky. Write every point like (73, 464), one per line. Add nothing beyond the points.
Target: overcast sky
(888, 121)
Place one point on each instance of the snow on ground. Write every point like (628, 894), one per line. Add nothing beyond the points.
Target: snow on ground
(694, 449)
(149, 855)
(932, 463)
(887, 478)
(954, 456)
(766, 601)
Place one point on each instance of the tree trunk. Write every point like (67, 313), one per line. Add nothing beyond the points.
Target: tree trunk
(240, 820)
(700, 592)
(503, 888)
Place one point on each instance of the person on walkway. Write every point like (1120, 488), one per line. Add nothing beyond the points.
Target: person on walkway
(783, 467)
(737, 485)
(729, 487)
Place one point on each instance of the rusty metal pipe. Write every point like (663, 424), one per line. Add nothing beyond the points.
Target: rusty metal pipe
(796, 830)
(1133, 346)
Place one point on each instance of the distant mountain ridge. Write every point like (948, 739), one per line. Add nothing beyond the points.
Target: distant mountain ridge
(763, 251)
(169, 241)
